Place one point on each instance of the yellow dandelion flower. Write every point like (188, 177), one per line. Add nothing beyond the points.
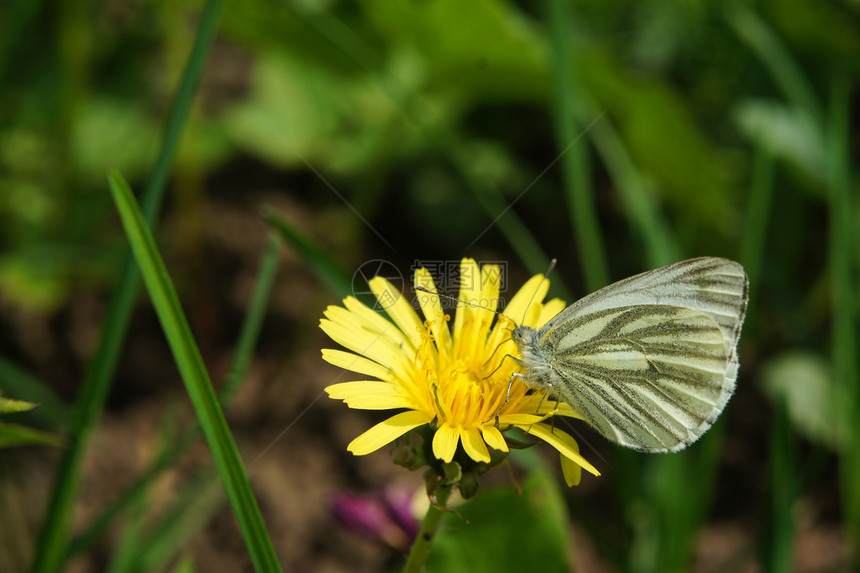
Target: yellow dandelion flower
(456, 379)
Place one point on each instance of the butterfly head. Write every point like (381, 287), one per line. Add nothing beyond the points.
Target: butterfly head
(536, 368)
(524, 336)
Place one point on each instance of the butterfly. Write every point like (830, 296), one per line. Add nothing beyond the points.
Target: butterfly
(650, 361)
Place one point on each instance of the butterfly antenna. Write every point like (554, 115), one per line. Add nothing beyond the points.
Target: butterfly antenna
(454, 298)
(499, 314)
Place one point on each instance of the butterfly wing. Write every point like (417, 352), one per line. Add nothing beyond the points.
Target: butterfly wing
(650, 378)
(714, 286)
(651, 361)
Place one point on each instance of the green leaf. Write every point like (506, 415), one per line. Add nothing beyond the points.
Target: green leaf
(458, 60)
(325, 267)
(12, 435)
(803, 382)
(506, 531)
(786, 132)
(116, 129)
(660, 133)
(8, 406)
(16, 435)
(52, 412)
(195, 377)
(185, 565)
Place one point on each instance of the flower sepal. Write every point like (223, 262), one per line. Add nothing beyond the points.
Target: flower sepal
(410, 451)
(469, 485)
(452, 473)
(414, 451)
(517, 444)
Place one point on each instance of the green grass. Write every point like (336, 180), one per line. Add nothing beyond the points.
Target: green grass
(569, 104)
(194, 374)
(173, 447)
(842, 263)
(55, 529)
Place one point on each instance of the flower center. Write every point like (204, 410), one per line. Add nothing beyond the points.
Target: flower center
(467, 385)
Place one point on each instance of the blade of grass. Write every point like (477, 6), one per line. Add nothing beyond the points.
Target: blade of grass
(245, 345)
(498, 207)
(196, 506)
(667, 500)
(776, 57)
(253, 322)
(185, 565)
(329, 272)
(758, 215)
(641, 210)
(52, 412)
(134, 541)
(55, 529)
(123, 554)
(14, 435)
(575, 164)
(195, 377)
(779, 532)
(844, 310)
(136, 490)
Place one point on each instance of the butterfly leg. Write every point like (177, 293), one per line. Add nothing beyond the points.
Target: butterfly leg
(490, 375)
(507, 392)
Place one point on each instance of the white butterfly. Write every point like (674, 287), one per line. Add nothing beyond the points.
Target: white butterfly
(649, 361)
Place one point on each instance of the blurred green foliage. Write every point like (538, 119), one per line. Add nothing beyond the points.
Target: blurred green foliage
(405, 129)
(12, 435)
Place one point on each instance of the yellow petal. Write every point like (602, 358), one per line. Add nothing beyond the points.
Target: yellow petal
(445, 443)
(375, 322)
(372, 345)
(433, 311)
(474, 445)
(491, 282)
(571, 470)
(364, 323)
(541, 405)
(369, 395)
(562, 441)
(380, 403)
(525, 305)
(479, 290)
(385, 432)
(345, 390)
(494, 438)
(469, 277)
(519, 419)
(549, 310)
(356, 363)
(400, 311)
(564, 409)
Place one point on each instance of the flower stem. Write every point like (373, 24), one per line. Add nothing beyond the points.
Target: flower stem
(421, 546)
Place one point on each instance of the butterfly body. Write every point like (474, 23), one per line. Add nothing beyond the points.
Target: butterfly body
(650, 361)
